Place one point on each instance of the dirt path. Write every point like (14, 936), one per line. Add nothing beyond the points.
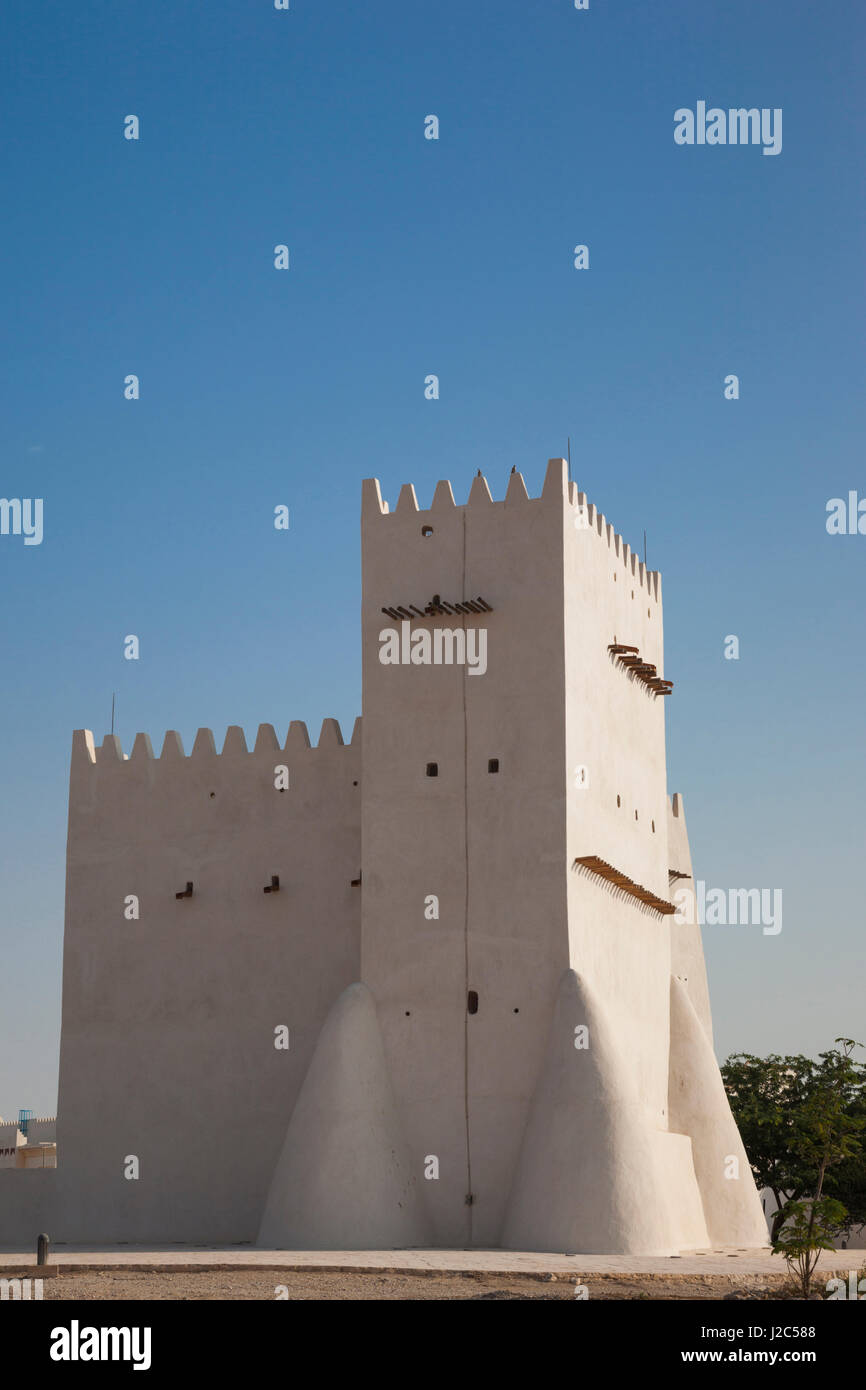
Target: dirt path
(229, 1285)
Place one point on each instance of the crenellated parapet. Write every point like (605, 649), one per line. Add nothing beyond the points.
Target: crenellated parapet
(121, 800)
(85, 752)
(558, 490)
(31, 1120)
(592, 520)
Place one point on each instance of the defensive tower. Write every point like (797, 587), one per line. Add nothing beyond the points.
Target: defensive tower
(497, 1026)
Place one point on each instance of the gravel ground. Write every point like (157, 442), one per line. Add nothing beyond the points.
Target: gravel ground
(215, 1284)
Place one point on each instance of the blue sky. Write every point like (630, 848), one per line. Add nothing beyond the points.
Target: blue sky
(452, 257)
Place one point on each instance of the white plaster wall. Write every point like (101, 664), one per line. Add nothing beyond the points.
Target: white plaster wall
(344, 1179)
(167, 1045)
(594, 1176)
(699, 1107)
(687, 949)
(490, 845)
(616, 730)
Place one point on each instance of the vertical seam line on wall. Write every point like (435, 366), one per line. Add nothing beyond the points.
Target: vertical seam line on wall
(466, 909)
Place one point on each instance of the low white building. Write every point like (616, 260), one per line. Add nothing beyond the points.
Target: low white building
(28, 1142)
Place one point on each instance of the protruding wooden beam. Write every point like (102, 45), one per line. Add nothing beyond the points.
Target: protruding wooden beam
(628, 885)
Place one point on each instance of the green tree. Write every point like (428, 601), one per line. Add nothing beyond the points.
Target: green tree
(765, 1094)
(827, 1134)
(802, 1123)
(808, 1229)
(846, 1180)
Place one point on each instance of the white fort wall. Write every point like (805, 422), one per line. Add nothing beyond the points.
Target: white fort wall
(537, 1147)
(432, 1093)
(491, 846)
(167, 1046)
(687, 949)
(618, 813)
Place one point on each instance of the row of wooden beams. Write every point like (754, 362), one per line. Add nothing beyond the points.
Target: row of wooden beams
(631, 659)
(437, 607)
(628, 885)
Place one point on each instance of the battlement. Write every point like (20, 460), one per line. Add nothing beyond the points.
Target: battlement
(31, 1120)
(596, 522)
(557, 489)
(85, 752)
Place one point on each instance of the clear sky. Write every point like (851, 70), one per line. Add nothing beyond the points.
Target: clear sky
(455, 257)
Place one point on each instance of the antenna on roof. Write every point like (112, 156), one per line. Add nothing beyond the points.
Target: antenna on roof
(112, 711)
(644, 549)
(569, 458)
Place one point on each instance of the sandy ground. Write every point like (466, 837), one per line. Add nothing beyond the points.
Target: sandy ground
(202, 1273)
(318, 1285)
